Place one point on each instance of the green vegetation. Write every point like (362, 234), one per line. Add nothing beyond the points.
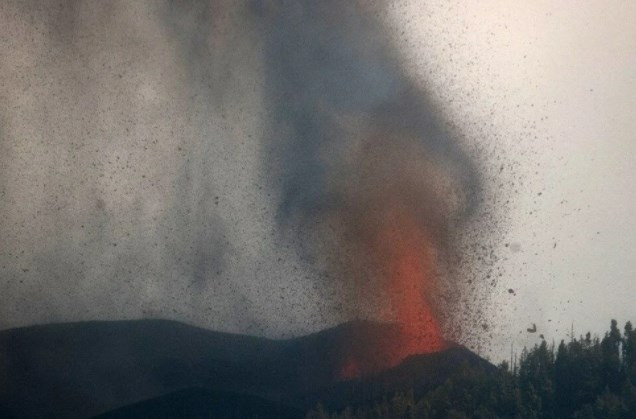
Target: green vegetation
(584, 378)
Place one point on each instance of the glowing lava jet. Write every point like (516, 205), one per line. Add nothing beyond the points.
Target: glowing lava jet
(372, 181)
(398, 218)
(409, 268)
(406, 260)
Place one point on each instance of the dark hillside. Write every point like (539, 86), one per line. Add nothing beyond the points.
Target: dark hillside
(84, 369)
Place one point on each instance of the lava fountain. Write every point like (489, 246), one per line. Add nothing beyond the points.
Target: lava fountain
(409, 267)
(405, 260)
(372, 184)
(396, 212)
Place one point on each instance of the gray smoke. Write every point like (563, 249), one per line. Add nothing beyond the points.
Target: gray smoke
(353, 137)
(151, 153)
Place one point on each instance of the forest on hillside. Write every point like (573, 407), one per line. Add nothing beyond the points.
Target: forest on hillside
(588, 377)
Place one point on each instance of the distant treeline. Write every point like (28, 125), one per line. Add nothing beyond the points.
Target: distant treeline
(587, 377)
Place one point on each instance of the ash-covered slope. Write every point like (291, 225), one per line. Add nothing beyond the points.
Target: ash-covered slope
(84, 369)
(204, 403)
(418, 373)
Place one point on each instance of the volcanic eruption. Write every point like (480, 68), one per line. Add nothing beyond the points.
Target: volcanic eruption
(396, 211)
(370, 180)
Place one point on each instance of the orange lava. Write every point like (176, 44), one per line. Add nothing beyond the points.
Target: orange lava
(404, 257)
(409, 267)
(350, 369)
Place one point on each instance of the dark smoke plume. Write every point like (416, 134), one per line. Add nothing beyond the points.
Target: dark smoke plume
(129, 140)
(371, 182)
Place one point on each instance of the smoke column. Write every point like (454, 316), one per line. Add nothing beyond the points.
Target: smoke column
(135, 142)
(369, 180)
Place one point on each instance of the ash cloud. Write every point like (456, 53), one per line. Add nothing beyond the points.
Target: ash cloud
(151, 152)
(117, 163)
(352, 137)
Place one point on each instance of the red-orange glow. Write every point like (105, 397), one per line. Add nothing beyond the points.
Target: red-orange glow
(409, 267)
(404, 257)
(350, 369)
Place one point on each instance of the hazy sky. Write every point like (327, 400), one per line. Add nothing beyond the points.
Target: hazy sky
(554, 84)
(115, 203)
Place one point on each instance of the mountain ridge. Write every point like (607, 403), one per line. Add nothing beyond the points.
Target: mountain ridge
(89, 368)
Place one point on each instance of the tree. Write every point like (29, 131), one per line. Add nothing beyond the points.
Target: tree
(584, 378)
(629, 352)
(610, 349)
